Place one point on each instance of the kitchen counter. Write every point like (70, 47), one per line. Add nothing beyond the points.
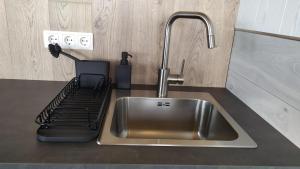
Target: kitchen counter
(21, 101)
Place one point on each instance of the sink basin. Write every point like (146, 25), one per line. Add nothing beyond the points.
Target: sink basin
(169, 118)
(187, 119)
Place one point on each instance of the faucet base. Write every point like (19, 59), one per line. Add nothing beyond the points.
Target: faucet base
(163, 83)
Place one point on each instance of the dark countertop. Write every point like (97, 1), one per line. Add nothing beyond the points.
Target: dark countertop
(22, 100)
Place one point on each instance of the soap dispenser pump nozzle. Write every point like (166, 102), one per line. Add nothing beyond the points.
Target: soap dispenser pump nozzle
(124, 60)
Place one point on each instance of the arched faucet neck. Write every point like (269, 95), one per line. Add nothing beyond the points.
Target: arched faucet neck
(164, 75)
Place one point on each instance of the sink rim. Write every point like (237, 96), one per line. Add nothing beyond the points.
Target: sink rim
(107, 138)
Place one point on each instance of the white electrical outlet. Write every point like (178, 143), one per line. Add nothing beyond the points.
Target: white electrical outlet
(50, 38)
(69, 40)
(85, 40)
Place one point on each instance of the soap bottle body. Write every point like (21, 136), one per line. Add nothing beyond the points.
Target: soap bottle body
(123, 72)
(123, 77)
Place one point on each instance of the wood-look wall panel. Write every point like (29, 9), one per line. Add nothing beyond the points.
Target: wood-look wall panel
(121, 26)
(188, 41)
(70, 15)
(146, 35)
(102, 18)
(137, 26)
(25, 21)
(5, 60)
(141, 33)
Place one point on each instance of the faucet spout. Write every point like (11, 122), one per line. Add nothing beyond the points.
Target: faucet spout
(164, 70)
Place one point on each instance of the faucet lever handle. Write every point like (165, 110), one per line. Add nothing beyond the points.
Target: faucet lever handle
(182, 68)
(177, 78)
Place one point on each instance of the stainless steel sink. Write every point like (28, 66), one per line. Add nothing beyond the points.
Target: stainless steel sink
(184, 119)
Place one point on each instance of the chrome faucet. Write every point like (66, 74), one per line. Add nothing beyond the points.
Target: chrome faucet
(164, 72)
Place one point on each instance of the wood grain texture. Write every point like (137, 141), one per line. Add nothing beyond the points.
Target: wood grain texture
(5, 60)
(264, 73)
(141, 33)
(69, 15)
(25, 22)
(135, 26)
(121, 26)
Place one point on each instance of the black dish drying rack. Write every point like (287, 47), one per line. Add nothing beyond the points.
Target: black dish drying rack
(73, 106)
(76, 114)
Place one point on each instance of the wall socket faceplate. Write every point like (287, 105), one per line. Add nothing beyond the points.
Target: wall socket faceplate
(69, 40)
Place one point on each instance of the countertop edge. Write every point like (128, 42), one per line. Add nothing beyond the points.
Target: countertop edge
(132, 166)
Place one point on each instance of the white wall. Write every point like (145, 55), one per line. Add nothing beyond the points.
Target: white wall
(272, 16)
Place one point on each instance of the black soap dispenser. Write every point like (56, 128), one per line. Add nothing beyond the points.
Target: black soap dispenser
(123, 72)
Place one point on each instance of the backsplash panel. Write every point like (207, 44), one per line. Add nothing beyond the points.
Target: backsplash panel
(264, 73)
(135, 26)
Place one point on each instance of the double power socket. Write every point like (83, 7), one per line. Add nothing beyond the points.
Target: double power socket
(69, 40)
